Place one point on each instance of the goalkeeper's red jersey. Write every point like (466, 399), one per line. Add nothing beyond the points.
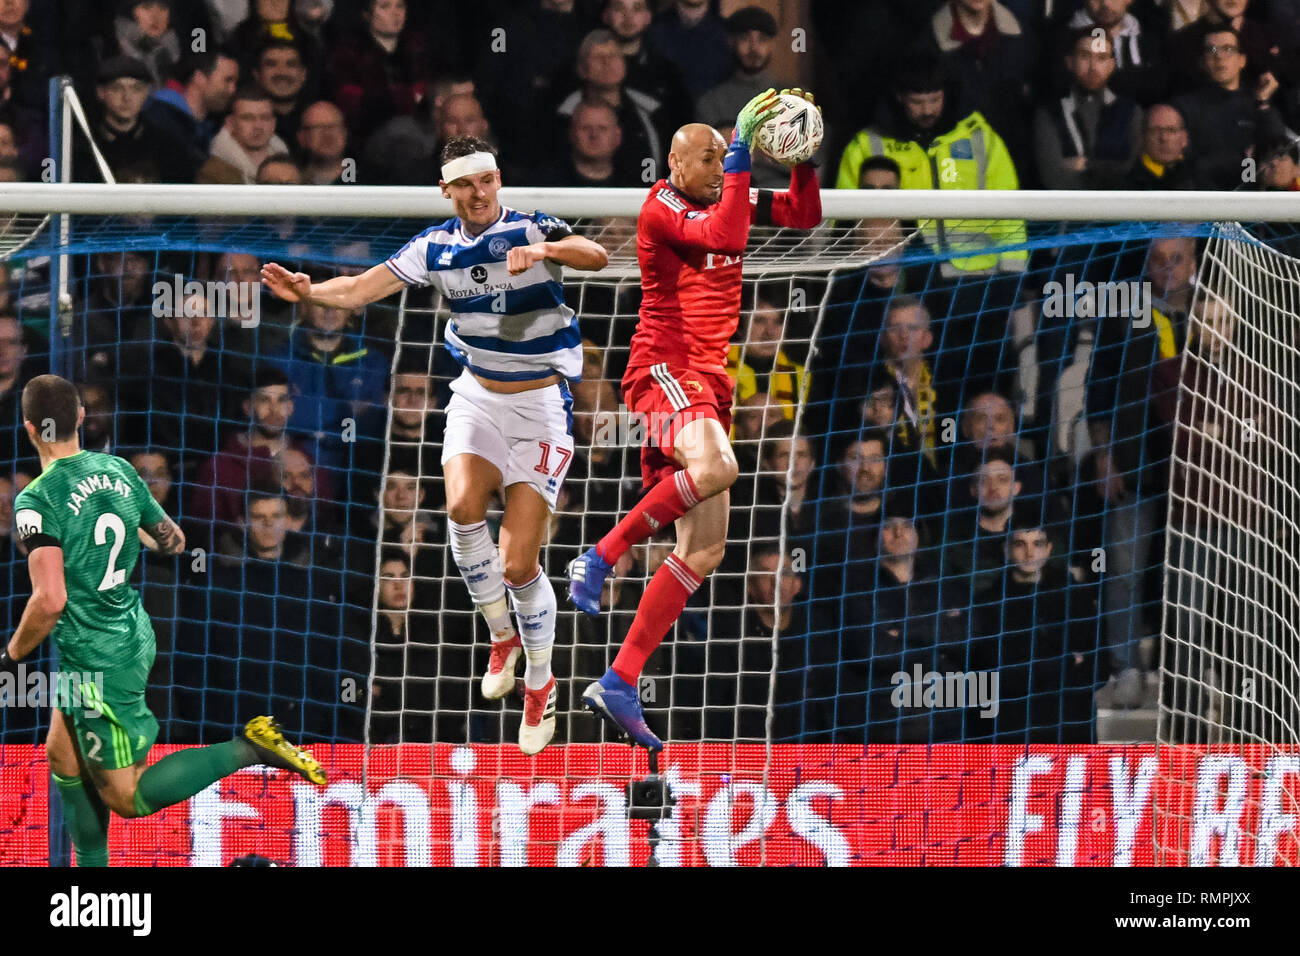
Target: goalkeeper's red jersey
(690, 257)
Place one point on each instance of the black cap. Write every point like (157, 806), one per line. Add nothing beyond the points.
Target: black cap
(751, 18)
(1271, 147)
(114, 68)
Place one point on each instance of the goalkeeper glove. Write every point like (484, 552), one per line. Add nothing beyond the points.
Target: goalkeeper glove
(803, 94)
(7, 663)
(754, 114)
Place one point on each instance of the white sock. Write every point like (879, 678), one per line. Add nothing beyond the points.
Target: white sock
(476, 558)
(497, 615)
(535, 609)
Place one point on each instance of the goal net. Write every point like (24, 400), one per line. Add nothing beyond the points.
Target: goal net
(1005, 582)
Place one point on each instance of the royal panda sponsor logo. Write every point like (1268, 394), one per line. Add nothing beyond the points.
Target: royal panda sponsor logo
(76, 909)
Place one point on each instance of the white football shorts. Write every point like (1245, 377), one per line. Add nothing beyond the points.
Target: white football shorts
(528, 435)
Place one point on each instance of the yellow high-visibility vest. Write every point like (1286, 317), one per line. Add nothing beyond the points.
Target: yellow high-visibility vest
(971, 155)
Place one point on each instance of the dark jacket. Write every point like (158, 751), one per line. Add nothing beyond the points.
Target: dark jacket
(1222, 125)
(899, 627)
(184, 139)
(328, 386)
(1040, 638)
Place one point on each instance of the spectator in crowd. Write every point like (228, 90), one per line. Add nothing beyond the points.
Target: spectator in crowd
(33, 57)
(879, 172)
(415, 434)
(984, 49)
(247, 459)
(14, 374)
(751, 34)
(247, 138)
(381, 71)
(98, 427)
(1036, 636)
(629, 20)
(404, 150)
(406, 664)
(22, 128)
(783, 488)
(155, 470)
(921, 400)
(594, 140)
(275, 316)
(1211, 528)
(974, 553)
(183, 111)
(405, 523)
(307, 514)
(277, 20)
(279, 170)
(322, 143)
(1090, 138)
(116, 315)
(1140, 59)
(759, 363)
(847, 349)
(1130, 426)
(335, 378)
(517, 83)
(273, 637)
(1267, 49)
(143, 31)
(881, 646)
(1224, 115)
(753, 416)
(180, 396)
(156, 577)
(988, 427)
(601, 75)
(124, 139)
(848, 515)
(694, 38)
(919, 130)
(279, 70)
(1163, 163)
(1278, 167)
(772, 606)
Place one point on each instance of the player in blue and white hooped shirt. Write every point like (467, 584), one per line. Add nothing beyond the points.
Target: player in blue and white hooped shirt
(508, 422)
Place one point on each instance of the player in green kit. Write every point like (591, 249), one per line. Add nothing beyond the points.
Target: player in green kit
(79, 520)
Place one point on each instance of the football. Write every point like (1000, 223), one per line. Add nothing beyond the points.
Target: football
(794, 134)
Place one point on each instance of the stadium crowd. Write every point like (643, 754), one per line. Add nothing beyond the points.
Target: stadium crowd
(964, 456)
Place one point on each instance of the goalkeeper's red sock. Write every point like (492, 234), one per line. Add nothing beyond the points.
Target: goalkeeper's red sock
(662, 603)
(662, 505)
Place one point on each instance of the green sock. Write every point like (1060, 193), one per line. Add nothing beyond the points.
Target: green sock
(86, 818)
(182, 774)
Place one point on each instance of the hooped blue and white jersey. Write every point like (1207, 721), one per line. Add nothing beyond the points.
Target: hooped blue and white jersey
(502, 327)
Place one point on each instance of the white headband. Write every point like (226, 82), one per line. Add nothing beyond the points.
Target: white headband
(468, 166)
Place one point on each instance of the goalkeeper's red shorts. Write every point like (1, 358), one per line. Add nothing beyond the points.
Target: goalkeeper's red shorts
(663, 399)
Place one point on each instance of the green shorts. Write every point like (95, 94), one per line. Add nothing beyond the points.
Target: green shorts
(113, 724)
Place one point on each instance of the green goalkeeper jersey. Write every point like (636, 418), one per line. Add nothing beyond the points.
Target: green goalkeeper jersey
(90, 505)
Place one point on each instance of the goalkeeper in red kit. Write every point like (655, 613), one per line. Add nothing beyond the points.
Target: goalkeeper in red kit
(691, 236)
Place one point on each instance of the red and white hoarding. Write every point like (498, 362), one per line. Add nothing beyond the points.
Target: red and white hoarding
(480, 805)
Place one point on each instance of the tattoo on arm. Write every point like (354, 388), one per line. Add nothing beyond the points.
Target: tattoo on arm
(168, 536)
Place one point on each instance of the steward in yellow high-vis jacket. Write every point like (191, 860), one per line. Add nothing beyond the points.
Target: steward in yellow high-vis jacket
(918, 130)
